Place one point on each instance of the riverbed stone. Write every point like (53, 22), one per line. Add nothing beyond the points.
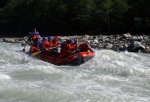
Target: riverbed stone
(9, 40)
(116, 42)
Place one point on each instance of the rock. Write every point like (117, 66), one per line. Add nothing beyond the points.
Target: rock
(118, 42)
(108, 46)
(9, 40)
(135, 47)
(127, 35)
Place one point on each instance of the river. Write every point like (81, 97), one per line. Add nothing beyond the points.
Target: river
(108, 77)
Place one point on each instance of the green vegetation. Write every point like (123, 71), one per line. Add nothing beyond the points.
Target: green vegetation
(71, 17)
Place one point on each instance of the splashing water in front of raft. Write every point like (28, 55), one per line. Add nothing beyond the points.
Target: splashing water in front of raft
(109, 76)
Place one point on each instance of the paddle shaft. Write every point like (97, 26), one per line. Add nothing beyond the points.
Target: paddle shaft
(36, 53)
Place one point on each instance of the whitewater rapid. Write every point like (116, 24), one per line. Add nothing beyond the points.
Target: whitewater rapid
(108, 77)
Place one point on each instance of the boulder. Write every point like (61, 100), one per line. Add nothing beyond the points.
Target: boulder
(9, 40)
(127, 35)
(136, 47)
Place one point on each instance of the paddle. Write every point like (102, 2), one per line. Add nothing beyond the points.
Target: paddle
(38, 52)
(25, 44)
(90, 48)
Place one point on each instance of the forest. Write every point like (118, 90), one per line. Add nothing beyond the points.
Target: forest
(74, 17)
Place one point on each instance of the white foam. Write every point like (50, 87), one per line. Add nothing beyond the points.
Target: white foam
(47, 69)
(4, 77)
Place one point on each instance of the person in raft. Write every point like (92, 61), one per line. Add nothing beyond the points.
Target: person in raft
(48, 46)
(68, 47)
(50, 38)
(45, 45)
(53, 41)
(34, 35)
(36, 38)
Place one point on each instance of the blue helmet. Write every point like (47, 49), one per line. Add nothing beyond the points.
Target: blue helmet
(63, 43)
(50, 37)
(45, 38)
(35, 32)
(70, 41)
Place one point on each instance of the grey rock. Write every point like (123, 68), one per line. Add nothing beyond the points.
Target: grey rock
(117, 42)
(9, 40)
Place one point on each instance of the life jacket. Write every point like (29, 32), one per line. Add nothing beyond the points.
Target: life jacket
(55, 42)
(74, 45)
(67, 48)
(64, 50)
(33, 49)
(46, 45)
(35, 36)
(51, 44)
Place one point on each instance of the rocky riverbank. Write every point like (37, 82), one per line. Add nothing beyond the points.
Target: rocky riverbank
(118, 42)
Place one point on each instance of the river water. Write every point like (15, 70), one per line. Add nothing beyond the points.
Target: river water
(108, 77)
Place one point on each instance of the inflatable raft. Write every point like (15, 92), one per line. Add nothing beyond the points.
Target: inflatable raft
(76, 58)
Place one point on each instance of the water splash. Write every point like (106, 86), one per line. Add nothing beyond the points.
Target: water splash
(109, 76)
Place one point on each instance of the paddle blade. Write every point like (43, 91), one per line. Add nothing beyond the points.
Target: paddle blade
(36, 53)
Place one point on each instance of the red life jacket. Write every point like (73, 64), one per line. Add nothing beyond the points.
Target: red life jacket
(45, 45)
(35, 37)
(33, 49)
(67, 48)
(55, 42)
